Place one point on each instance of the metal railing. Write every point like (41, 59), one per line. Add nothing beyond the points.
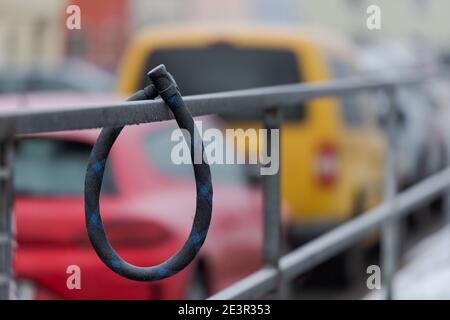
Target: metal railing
(277, 268)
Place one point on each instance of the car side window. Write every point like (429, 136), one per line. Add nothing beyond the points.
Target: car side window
(352, 104)
(52, 167)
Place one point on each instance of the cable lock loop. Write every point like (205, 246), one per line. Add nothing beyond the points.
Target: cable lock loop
(165, 86)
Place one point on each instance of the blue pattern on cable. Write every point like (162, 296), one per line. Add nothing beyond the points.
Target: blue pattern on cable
(94, 221)
(115, 264)
(95, 218)
(204, 192)
(164, 272)
(99, 166)
(197, 239)
(172, 101)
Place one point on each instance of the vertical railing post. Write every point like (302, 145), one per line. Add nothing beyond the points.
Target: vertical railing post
(271, 192)
(390, 229)
(6, 232)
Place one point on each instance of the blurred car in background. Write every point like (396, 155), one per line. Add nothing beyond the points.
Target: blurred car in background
(147, 207)
(421, 138)
(73, 75)
(332, 161)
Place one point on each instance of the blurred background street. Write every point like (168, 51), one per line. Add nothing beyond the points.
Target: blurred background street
(60, 53)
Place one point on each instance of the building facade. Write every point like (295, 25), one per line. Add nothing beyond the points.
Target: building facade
(30, 33)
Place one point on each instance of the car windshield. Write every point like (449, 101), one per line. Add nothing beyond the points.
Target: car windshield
(53, 167)
(158, 147)
(224, 67)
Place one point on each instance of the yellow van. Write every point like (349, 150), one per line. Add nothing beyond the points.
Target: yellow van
(332, 148)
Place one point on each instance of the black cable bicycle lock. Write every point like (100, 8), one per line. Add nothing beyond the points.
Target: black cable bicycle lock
(165, 86)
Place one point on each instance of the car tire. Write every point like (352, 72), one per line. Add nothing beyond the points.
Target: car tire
(349, 265)
(197, 288)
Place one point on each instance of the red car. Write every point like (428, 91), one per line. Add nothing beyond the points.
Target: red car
(147, 204)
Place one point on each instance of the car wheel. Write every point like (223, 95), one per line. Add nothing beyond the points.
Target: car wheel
(349, 265)
(197, 287)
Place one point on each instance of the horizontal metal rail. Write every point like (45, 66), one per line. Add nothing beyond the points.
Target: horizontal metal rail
(26, 121)
(336, 240)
